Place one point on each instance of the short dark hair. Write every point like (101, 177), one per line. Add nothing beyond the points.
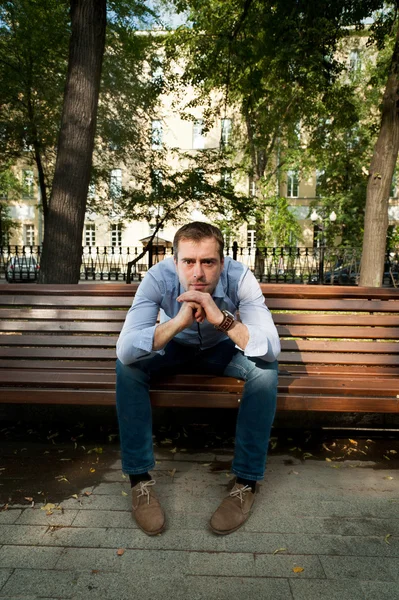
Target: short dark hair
(196, 232)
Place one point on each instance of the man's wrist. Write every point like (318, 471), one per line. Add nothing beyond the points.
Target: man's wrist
(227, 321)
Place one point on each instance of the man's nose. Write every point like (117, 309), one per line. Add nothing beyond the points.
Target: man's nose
(198, 271)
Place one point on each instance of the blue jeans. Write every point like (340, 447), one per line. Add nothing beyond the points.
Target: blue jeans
(255, 415)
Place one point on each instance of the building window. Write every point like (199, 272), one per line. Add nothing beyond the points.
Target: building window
(319, 180)
(90, 234)
(226, 132)
(156, 135)
(156, 182)
(198, 135)
(116, 234)
(27, 183)
(29, 235)
(317, 236)
(355, 63)
(292, 184)
(225, 179)
(251, 238)
(199, 182)
(115, 183)
(91, 192)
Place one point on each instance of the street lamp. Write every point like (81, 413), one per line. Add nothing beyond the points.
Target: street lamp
(315, 217)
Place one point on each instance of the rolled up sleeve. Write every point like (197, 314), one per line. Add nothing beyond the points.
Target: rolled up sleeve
(263, 340)
(137, 336)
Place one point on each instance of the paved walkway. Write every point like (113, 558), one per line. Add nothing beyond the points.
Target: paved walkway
(318, 530)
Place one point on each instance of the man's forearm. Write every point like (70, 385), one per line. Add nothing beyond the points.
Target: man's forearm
(164, 333)
(239, 334)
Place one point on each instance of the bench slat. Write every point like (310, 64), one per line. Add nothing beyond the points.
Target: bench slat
(309, 331)
(59, 314)
(191, 383)
(200, 400)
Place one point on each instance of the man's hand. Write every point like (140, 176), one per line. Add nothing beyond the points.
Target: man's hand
(188, 313)
(205, 307)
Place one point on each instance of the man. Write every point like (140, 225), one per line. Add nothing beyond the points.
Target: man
(198, 293)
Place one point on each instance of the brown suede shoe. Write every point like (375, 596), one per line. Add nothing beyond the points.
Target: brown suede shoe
(146, 509)
(234, 510)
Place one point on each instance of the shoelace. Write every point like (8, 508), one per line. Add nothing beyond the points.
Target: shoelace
(144, 491)
(240, 492)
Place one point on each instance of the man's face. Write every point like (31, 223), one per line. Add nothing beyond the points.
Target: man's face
(199, 264)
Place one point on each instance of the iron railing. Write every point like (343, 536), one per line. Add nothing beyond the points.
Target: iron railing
(339, 266)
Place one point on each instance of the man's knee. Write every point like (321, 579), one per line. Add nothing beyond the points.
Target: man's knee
(132, 372)
(266, 374)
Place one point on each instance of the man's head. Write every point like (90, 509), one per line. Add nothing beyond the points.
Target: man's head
(198, 254)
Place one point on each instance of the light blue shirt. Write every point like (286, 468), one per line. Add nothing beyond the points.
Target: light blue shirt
(237, 290)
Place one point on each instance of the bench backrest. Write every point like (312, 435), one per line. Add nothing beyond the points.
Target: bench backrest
(323, 329)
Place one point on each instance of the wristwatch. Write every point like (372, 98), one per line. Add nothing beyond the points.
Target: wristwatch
(227, 323)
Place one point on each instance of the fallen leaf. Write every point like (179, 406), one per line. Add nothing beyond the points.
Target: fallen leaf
(387, 538)
(172, 472)
(354, 442)
(293, 449)
(280, 550)
(4, 507)
(65, 459)
(206, 465)
(293, 473)
(392, 452)
(306, 455)
(328, 459)
(173, 451)
(92, 470)
(386, 457)
(75, 496)
(336, 466)
(96, 450)
(124, 476)
(62, 478)
(388, 477)
(124, 493)
(326, 448)
(48, 506)
(120, 552)
(298, 569)
(88, 493)
(94, 571)
(28, 498)
(166, 441)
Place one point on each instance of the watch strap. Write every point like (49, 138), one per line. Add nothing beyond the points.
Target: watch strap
(227, 323)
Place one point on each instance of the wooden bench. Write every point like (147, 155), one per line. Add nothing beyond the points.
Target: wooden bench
(340, 348)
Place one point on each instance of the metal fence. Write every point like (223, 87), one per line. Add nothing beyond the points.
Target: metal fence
(338, 266)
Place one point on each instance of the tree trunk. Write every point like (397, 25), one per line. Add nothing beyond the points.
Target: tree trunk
(380, 179)
(63, 226)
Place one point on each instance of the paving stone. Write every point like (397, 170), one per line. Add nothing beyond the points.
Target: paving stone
(130, 584)
(199, 457)
(98, 502)
(81, 559)
(313, 589)
(267, 543)
(360, 567)
(79, 537)
(161, 562)
(280, 565)
(22, 535)
(4, 575)
(33, 516)
(226, 588)
(9, 516)
(57, 584)
(222, 563)
(105, 518)
(376, 590)
(26, 557)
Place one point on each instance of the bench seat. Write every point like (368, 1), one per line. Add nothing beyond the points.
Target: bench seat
(340, 348)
